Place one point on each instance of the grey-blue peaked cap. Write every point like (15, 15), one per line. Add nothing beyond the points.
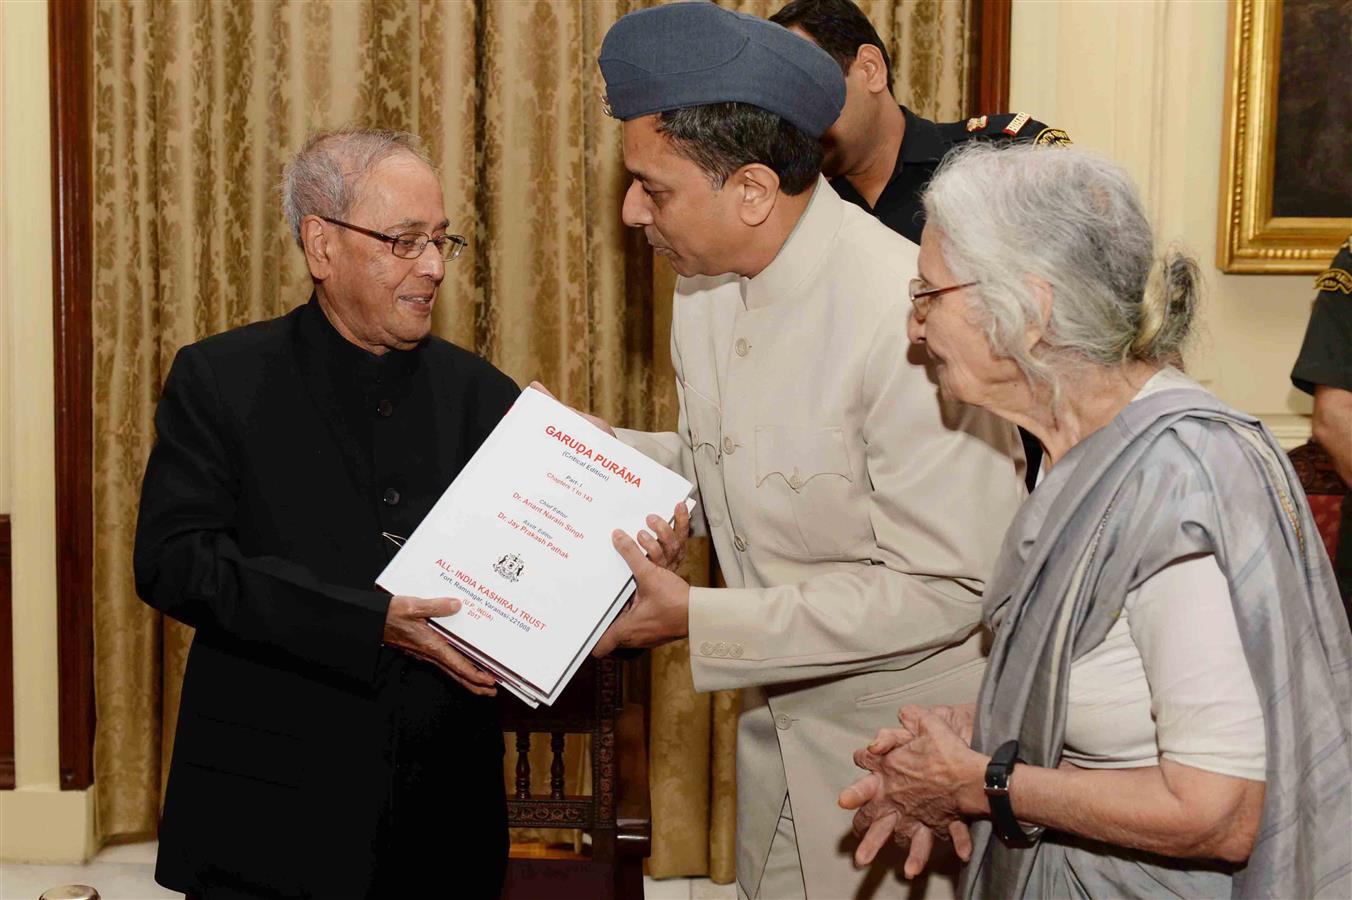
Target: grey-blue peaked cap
(694, 54)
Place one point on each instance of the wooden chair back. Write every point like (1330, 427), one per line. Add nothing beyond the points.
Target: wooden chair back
(615, 816)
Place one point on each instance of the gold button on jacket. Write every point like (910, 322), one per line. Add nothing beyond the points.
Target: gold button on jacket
(855, 523)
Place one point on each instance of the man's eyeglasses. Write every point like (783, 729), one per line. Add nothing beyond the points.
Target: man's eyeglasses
(923, 297)
(411, 244)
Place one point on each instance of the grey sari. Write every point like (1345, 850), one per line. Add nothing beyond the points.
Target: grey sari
(1175, 474)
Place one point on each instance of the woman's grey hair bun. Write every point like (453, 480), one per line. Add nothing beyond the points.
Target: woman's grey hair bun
(1167, 309)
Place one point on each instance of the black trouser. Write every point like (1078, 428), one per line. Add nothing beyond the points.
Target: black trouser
(444, 833)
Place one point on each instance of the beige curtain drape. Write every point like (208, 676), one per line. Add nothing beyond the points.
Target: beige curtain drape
(198, 104)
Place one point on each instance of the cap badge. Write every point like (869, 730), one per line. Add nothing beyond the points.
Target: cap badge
(976, 124)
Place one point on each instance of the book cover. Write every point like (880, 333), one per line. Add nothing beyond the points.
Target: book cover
(522, 539)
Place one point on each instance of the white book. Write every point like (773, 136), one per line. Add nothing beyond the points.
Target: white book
(522, 539)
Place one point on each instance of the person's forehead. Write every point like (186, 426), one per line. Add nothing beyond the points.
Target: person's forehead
(641, 134)
(405, 184)
(647, 149)
(401, 171)
(929, 260)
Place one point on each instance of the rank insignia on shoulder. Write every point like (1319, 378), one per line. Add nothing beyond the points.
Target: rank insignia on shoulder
(976, 124)
(1016, 124)
(1334, 280)
(1052, 136)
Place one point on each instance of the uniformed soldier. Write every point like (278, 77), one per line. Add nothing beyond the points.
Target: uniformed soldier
(855, 514)
(1324, 369)
(880, 155)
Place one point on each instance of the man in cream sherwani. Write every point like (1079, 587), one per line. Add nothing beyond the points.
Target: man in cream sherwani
(855, 516)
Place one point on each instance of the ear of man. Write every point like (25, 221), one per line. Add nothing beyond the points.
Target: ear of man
(868, 62)
(757, 190)
(316, 240)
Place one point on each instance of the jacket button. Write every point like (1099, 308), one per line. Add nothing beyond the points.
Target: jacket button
(715, 520)
(721, 649)
(385, 408)
(735, 651)
(706, 649)
(783, 722)
(741, 347)
(390, 497)
(729, 446)
(739, 542)
(796, 482)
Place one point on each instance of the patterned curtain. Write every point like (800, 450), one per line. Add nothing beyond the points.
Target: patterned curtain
(198, 104)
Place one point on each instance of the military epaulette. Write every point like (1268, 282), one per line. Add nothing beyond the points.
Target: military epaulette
(1339, 276)
(1003, 127)
(1339, 280)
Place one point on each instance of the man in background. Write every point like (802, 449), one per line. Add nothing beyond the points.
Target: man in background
(1324, 369)
(330, 744)
(855, 515)
(880, 155)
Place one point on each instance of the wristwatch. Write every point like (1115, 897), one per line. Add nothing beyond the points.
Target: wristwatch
(997, 794)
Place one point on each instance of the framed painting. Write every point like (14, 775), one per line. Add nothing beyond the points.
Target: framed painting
(1286, 166)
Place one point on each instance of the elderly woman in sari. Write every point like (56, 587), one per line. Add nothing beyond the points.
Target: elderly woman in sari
(1166, 707)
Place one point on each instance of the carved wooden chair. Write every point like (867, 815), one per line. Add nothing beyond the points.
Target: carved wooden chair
(1326, 493)
(616, 816)
(1324, 489)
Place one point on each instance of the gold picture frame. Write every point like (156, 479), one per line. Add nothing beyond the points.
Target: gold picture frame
(1250, 238)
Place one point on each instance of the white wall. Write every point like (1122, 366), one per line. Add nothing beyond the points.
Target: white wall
(38, 821)
(1144, 81)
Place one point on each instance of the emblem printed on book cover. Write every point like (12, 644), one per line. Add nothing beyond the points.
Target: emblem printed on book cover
(510, 567)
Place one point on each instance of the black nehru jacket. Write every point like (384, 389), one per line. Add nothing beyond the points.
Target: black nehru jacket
(311, 760)
(924, 144)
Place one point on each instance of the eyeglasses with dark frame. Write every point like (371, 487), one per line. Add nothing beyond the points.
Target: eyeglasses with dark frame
(411, 244)
(922, 298)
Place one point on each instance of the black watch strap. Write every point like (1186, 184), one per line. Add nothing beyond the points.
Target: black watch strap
(998, 772)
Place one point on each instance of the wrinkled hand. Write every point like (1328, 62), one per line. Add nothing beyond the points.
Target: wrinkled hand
(407, 628)
(878, 820)
(659, 610)
(668, 548)
(919, 776)
(935, 776)
(595, 420)
(958, 718)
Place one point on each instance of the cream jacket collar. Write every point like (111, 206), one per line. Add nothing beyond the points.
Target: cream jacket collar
(803, 251)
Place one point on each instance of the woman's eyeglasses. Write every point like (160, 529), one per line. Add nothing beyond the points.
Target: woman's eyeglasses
(923, 297)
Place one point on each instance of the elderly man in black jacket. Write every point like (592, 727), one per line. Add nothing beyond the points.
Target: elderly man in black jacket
(330, 744)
